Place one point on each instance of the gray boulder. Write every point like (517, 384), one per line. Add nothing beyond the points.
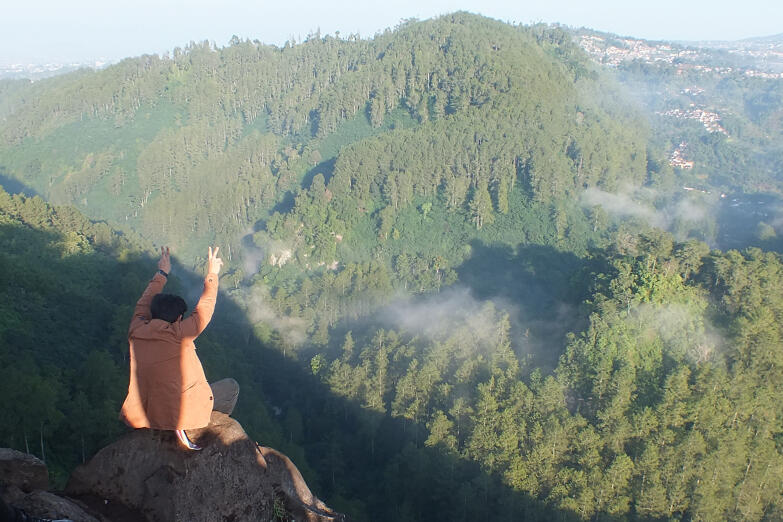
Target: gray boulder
(22, 470)
(148, 473)
(24, 480)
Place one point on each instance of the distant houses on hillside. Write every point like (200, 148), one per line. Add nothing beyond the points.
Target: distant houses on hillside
(615, 51)
(710, 120)
(677, 160)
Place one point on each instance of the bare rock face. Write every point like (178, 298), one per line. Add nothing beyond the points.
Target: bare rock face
(24, 480)
(22, 470)
(148, 474)
(47, 505)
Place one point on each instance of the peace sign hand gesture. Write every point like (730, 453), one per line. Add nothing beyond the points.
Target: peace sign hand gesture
(165, 260)
(214, 263)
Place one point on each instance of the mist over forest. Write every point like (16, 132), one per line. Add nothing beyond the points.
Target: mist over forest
(474, 270)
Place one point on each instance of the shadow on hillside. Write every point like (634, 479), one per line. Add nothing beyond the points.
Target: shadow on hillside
(14, 186)
(325, 168)
(750, 220)
(286, 203)
(363, 463)
(360, 462)
(539, 284)
(368, 465)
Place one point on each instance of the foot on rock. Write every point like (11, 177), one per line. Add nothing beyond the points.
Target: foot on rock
(183, 438)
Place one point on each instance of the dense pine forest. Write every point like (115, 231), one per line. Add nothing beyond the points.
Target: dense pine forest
(463, 283)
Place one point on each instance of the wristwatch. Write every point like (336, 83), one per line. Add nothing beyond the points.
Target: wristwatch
(164, 274)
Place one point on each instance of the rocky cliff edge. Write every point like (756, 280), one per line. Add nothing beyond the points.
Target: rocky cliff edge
(147, 475)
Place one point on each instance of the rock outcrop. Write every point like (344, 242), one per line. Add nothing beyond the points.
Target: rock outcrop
(147, 475)
(231, 479)
(23, 471)
(24, 480)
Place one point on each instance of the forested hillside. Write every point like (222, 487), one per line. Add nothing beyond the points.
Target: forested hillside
(202, 144)
(716, 110)
(459, 285)
(68, 290)
(665, 405)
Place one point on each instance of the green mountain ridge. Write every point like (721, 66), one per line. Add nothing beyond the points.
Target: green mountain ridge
(446, 295)
(233, 129)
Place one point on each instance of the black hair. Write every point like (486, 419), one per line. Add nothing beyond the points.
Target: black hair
(167, 307)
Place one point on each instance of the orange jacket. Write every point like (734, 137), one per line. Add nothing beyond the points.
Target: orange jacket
(168, 389)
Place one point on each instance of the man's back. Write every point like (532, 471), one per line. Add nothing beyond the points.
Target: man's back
(168, 389)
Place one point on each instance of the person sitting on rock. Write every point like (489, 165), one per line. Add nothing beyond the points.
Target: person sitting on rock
(168, 389)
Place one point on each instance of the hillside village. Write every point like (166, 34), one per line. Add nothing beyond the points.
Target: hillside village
(690, 92)
(613, 52)
(710, 120)
(677, 159)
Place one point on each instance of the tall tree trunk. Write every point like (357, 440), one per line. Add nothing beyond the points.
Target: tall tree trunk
(43, 451)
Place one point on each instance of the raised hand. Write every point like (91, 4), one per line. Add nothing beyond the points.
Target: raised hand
(165, 260)
(214, 263)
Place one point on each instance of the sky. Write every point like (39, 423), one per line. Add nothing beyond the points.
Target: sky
(83, 31)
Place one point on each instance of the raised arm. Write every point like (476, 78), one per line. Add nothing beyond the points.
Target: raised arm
(199, 319)
(142, 311)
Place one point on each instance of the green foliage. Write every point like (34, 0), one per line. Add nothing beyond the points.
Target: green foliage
(587, 370)
(203, 143)
(644, 405)
(66, 283)
(748, 108)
